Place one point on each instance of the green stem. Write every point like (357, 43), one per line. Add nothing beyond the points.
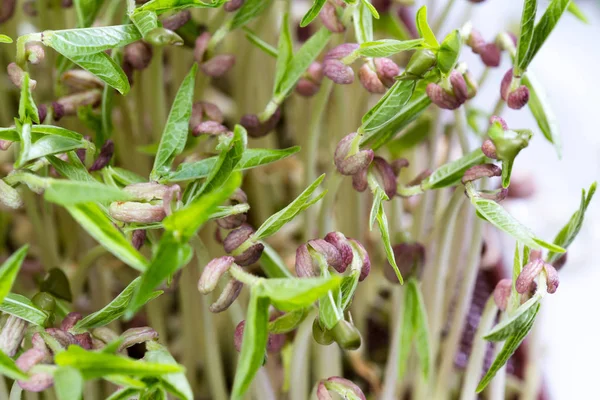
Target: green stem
(299, 384)
(439, 22)
(15, 392)
(158, 98)
(334, 179)
(391, 380)
(461, 129)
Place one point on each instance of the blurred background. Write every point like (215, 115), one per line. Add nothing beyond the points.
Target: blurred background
(567, 68)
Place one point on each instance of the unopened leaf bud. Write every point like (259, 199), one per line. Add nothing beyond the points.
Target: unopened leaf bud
(132, 211)
(16, 76)
(203, 111)
(342, 386)
(552, 280)
(42, 112)
(213, 271)
(106, 153)
(502, 293)
(218, 65)
(343, 246)
(459, 86)
(330, 18)
(135, 336)
(163, 37)
(70, 320)
(346, 335)
(274, 342)
(476, 41)
(80, 79)
(229, 294)
(489, 149)
(364, 258)
(65, 339)
(441, 97)
(350, 164)
(328, 251)
(236, 238)
(421, 62)
(12, 335)
(527, 276)
(334, 68)
(37, 382)
(387, 70)
(360, 181)
(490, 55)
(235, 220)
(515, 98)
(305, 266)
(138, 238)
(310, 83)
(209, 128)
(320, 334)
(385, 174)
(200, 46)
(481, 171)
(138, 55)
(369, 79)
(72, 102)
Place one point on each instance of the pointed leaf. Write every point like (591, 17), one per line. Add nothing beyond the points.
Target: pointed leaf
(451, 173)
(526, 36)
(425, 30)
(68, 383)
(387, 47)
(9, 270)
(515, 321)
(312, 13)
(363, 22)
(542, 112)
(105, 68)
(285, 52)
(9, 369)
(175, 383)
(162, 6)
(22, 307)
(289, 294)
(88, 41)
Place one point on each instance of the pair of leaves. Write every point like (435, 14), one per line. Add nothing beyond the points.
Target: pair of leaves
(384, 48)
(175, 134)
(163, 6)
(251, 158)
(413, 329)
(532, 38)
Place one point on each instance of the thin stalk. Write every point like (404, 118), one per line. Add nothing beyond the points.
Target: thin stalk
(461, 310)
(533, 374)
(326, 220)
(497, 387)
(299, 389)
(158, 105)
(477, 357)
(15, 392)
(499, 107)
(390, 384)
(439, 22)
(3, 388)
(461, 129)
(187, 302)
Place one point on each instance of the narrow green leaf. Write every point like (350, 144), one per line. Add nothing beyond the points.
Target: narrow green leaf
(175, 383)
(5, 39)
(348, 288)
(162, 6)
(277, 220)
(330, 304)
(105, 68)
(124, 176)
(542, 112)
(290, 294)
(515, 321)
(574, 9)
(285, 53)
(254, 344)
(420, 328)
(94, 365)
(68, 383)
(387, 107)
(87, 41)
(52, 144)
(250, 10)
(69, 193)
(175, 133)
(312, 13)
(9, 134)
(100, 227)
(451, 173)
(27, 109)
(22, 307)
(288, 321)
(363, 22)
(526, 36)
(510, 346)
(500, 218)
(387, 47)
(425, 30)
(111, 312)
(9, 369)
(387, 243)
(9, 270)
(449, 51)
(251, 158)
(308, 53)
(261, 44)
(124, 394)
(145, 21)
(87, 10)
(407, 328)
(371, 8)
(569, 232)
(73, 170)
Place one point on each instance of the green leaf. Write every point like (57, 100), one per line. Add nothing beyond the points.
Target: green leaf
(288, 321)
(301, 61)
(544, 27)
(272, 264)
(569, 232)
(87, 41)
(285, 52)
(384, 230)
(111, 312)
(261, 44)
(312, 13)
(387, 47)
(290, 294)
(101, 228)
(162, 6)
(145, 21)
(9, 270)
(542, 112)
(5, 39)
(124, 176)
(251, 158)
(510, 346)
(574, 9)
(105, 68)
(56, 130)
(94, 365)
(451, 173)
(175, 134)
(330, 304)
(69, 193)
(363, 22)
(9, 134)
(526, 36)
(449, 51)
(406, 331)
(500, 218)
(52, 144)
(170, 256)
(87, 10)
(124, 394)
(27, 109)
(73, 169)
(9, 369)
(348, 288)
(387, 107)
(425, 30)
(515, 321)
(22, 307)
(175, 383)
(249, 10)
(301, 203)
(254, 344)
(186, 221)
(414, 135)
(420, 328)
(68, 383)
(371, 8)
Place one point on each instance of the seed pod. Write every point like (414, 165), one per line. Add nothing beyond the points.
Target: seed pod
(385, 173)
(348, 164)
(346, 335)
(137, 335)
(132, 211)
(229, 294)
(442, 98)
(421, 62)
(236, 238)
(481, 171)
(502, 293)
(305, 266)
(233, 5)
(320, 334)
(37, 382)
(490, 55)
(344, 248)
(213, 271)
(176, 21)
(517, 98)
(410, 258)
(138, 238)
(200, 46)
(369, 79)
(258, 129)
(106, 153)
(489, 149)
(72, 102)
(527, 276)
(218, 65)
(138, 55)
(209, 128)
(70, 320)
(329, 251)
(80, 79)
(12, 335)
(35, 53)
(387, 70)
(16, 76)
(364, 257)
(330, 18)
(551, 278)
(360, 182)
